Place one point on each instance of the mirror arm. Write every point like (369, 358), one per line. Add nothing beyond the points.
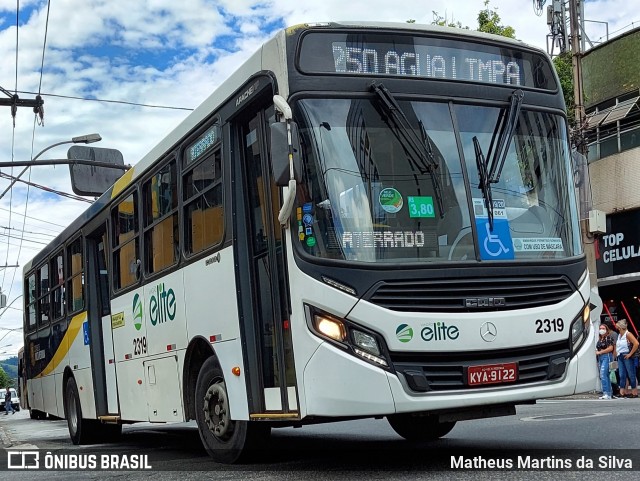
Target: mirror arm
(287, 204)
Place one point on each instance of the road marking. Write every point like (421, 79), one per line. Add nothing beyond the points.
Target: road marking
(563, 417)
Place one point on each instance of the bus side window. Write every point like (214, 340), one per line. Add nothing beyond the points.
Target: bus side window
(75, 281)
(43, 296)
(160, 202)
(57, 286)
(203, 211)
(124, 219)
(30, 301)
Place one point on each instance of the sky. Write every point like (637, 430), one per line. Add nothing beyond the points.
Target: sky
(101, 57)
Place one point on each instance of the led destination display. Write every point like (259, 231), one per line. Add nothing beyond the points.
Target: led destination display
(428, 57)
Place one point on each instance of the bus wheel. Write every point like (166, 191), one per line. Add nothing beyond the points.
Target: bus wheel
(79, 428)
(225, 440)
(419, 428)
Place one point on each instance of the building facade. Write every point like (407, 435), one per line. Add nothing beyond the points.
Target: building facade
(612, 102)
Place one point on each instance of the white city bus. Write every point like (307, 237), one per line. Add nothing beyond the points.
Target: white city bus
(364, 220)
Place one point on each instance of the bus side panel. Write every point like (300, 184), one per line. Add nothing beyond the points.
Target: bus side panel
(50, 400)
(164, 313)
(79, 353)
(34, 387)
(212, 313)
(59, 394)
(132, 390)
(162, 381)
(84, 381)
(210, 297)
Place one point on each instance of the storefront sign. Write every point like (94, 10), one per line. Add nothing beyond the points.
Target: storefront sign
(618, 251)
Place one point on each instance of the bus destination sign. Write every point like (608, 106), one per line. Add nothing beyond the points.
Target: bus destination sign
(426, 57)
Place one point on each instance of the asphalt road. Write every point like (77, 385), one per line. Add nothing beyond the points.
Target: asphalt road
(554, 431)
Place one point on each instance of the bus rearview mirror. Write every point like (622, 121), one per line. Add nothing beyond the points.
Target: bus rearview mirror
(280, 153)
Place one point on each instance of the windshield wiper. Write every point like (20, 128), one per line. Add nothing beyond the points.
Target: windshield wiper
(420, 152)
(503, 135)
(501, 138)
(484, 185)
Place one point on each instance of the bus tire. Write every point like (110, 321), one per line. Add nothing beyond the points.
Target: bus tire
(419, 428)
(225, 440)
(79, 429)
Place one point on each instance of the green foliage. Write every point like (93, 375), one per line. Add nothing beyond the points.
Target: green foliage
(5, 380)
(10, 367)
(564, 68)
(489, 22)
(444, 22)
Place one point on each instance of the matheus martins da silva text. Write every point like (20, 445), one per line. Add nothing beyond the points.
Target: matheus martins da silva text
(547, 462)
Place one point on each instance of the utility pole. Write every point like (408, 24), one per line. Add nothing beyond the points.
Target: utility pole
(576, 61)
(14, 102)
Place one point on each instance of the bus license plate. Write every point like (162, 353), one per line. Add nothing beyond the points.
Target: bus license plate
(492, 374)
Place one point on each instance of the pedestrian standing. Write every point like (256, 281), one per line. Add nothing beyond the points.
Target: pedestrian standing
(604, 353)
(625, 348)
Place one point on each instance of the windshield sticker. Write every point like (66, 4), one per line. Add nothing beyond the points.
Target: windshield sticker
(494, 244)
(392, 239)
(311, 241)
(499, 208)
(534, 244)
(420, 206)
(390, 200)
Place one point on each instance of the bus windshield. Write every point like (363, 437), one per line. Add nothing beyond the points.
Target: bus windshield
(367, 197)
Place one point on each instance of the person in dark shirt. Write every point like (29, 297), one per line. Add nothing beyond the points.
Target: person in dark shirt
(7, 402)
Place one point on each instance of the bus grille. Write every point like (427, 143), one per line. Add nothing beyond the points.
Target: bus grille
(471, 295)
(448, 371)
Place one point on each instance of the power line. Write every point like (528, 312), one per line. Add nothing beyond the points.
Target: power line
(124, 102)
(39, 220)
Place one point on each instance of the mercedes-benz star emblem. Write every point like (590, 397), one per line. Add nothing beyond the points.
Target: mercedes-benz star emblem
(488, 331)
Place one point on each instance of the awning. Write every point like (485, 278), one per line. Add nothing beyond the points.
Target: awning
(621, 110)
(612, 114)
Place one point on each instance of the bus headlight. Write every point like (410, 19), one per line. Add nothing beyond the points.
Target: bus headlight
(580, 328)
(366, 342)
(330, 327)
(358, 341)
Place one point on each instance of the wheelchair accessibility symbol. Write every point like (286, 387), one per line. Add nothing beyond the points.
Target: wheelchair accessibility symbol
(495, 244)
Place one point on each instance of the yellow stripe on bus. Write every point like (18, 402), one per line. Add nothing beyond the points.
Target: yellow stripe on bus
(122, 183)
(67, 340)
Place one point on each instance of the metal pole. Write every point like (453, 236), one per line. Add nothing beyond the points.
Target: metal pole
(82, 139)
(576, 61)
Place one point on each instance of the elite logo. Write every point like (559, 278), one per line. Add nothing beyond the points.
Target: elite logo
(137, 312)
(404, 332)
(439, 331)
(162, 305)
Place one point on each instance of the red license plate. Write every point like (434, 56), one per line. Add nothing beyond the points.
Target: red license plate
(492, 374)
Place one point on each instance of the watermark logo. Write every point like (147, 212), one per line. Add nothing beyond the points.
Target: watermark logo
(23, 459)
(404, 332)
(137, 312)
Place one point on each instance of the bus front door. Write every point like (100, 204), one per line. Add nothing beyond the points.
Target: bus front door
(99, 316)
(262, 277)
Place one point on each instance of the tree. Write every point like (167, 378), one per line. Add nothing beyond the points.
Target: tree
(564, 67)
(489, 22)
(5, 380)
